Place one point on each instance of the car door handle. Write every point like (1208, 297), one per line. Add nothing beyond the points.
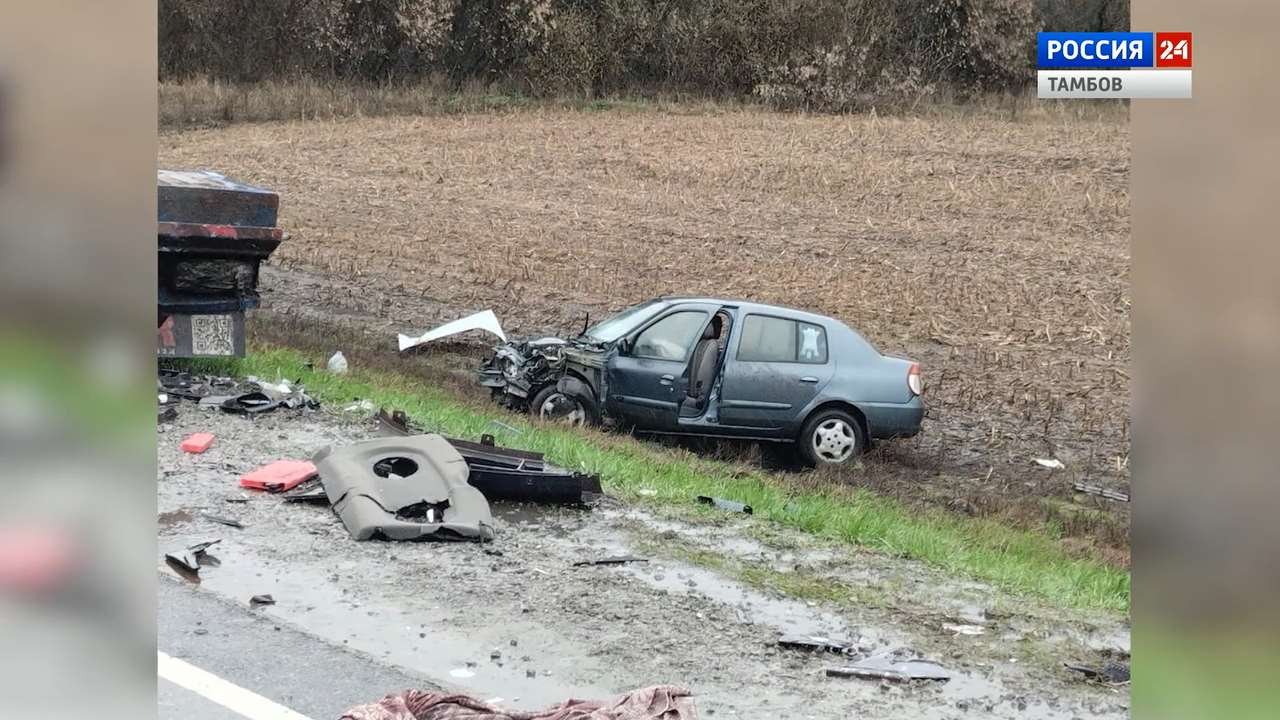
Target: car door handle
(667, 379)
(809, 379)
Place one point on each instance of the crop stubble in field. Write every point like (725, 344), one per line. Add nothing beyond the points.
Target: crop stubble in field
(994, 252)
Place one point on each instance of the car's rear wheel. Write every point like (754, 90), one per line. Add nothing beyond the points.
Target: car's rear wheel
(554, 406)
(831, 437)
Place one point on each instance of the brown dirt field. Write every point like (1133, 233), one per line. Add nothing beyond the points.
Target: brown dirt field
(995, 252)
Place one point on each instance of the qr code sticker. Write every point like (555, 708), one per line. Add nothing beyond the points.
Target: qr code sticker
(212, 335)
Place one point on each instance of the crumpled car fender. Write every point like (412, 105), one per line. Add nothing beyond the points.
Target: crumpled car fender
(581, 391)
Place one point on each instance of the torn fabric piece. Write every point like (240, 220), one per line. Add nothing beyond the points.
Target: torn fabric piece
(660, 702)
(484, 320)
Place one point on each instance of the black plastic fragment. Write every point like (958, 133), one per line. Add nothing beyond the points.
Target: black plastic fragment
(224, 521)
(250, 403)
(1113, 672)
(815, 643)
(188, 561)
(257, 600)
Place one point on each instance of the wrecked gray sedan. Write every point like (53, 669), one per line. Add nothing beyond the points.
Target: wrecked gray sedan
(704, 366)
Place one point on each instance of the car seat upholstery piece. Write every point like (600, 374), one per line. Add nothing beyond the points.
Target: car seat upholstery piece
(404, 488)
(702, 371)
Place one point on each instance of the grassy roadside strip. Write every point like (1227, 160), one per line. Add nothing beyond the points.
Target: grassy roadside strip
(1016, 561)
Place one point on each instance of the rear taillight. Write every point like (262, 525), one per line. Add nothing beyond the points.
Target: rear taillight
(913, 379)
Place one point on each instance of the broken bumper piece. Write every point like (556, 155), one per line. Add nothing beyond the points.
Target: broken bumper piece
(507, 474)
(406, 488)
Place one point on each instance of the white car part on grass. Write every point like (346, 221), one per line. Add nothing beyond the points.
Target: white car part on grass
(484, 320)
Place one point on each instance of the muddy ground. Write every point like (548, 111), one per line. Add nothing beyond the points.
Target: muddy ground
(514, 619)
(994, 252)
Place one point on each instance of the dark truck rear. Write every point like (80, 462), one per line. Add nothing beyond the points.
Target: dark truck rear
(213, 235)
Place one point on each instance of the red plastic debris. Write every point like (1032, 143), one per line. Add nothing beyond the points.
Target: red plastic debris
(198, 442)
(278, 476)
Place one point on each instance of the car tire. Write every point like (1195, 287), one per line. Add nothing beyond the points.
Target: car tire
(831, 437)
(551, 405)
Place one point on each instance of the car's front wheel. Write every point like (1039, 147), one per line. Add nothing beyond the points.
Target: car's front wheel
(831, 437)
(552, 405)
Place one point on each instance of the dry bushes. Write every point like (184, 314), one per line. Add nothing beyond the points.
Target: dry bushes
(827, 54)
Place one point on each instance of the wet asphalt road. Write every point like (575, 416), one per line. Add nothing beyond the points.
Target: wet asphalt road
(296, 670)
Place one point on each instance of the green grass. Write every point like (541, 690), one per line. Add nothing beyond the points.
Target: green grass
(1017, 561)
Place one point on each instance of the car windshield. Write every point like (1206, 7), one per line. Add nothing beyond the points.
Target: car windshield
(614, 327)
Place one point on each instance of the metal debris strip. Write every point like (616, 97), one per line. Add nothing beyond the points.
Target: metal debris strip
(484, 320)
(1100, 491)
(730, 505)
(223, 521)
(258, 600)
(885, 667)
(815, 643)
(611, 560)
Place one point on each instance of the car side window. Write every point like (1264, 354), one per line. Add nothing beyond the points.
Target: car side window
(813, 344)
(767, 339)
(771, 339)
(670, 338)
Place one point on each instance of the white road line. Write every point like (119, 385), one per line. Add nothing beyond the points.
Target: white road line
(227, 694)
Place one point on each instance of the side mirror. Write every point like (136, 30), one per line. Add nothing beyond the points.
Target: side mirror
(625, 345)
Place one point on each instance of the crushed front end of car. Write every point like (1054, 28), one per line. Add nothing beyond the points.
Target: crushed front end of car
(517, 371)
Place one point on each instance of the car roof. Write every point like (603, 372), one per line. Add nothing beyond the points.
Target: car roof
(746, 306)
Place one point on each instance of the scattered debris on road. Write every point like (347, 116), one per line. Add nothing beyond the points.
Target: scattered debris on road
(250, 395)
(197, 443)
(250, 403)
(406, 488)
(188, 561)
(886, 667)
(278, 476)
(223, 521)
(660, 702)
(484, 320)
(314, 495)
(611, 560)
(258, 600)
(1051, 463)
(730, 505)
(813, 643)
(1113, 673)
(359, 407)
